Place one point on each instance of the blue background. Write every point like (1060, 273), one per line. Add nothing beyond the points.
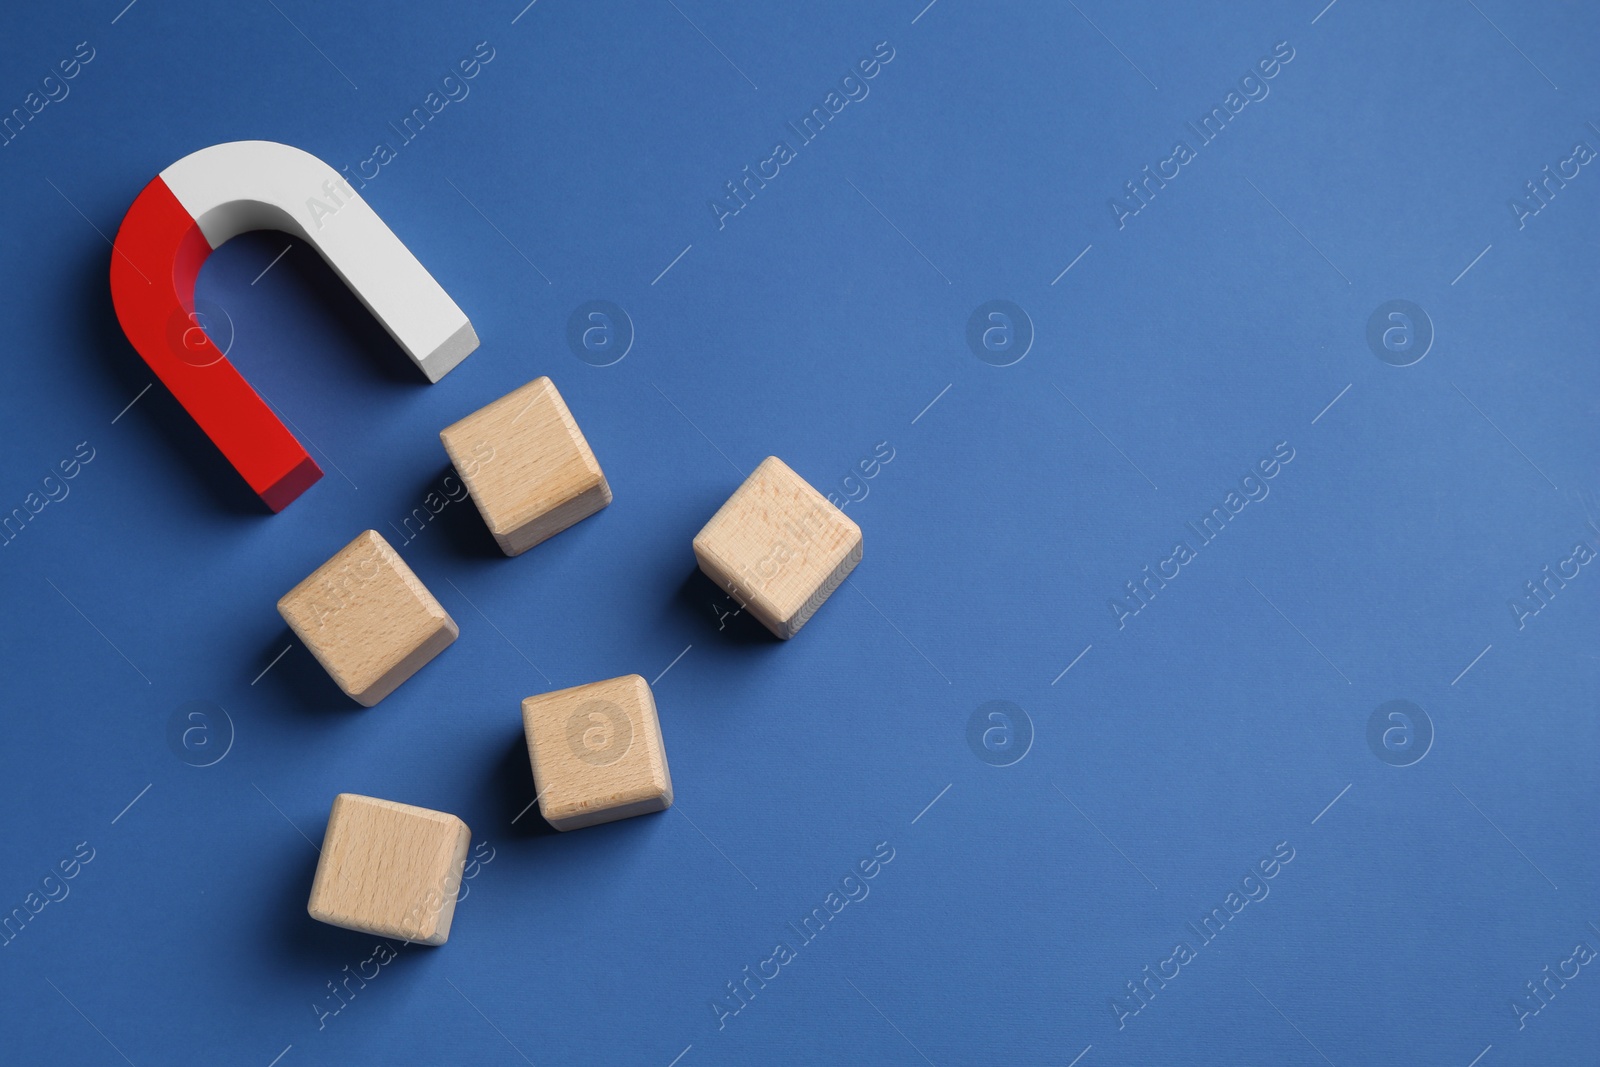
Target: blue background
(1177, 751)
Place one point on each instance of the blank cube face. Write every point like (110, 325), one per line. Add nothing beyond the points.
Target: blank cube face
(391, 870)
(527, 466)
(367, 619)
(597, 753)
(778, 547)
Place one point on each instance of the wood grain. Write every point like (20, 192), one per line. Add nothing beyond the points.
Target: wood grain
(778, 547)
(597, 753)
(388, 869)
(527, 465)
(367, 619)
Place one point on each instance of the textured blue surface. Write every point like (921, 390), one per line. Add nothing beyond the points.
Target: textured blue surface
(1223, 726)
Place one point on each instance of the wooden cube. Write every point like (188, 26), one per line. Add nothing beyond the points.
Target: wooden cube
(391, 870)
(527, 466)
(597, 753)
(367, 619)
(778, 547)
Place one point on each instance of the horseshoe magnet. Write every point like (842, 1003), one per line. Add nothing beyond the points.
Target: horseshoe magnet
(202, 200)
